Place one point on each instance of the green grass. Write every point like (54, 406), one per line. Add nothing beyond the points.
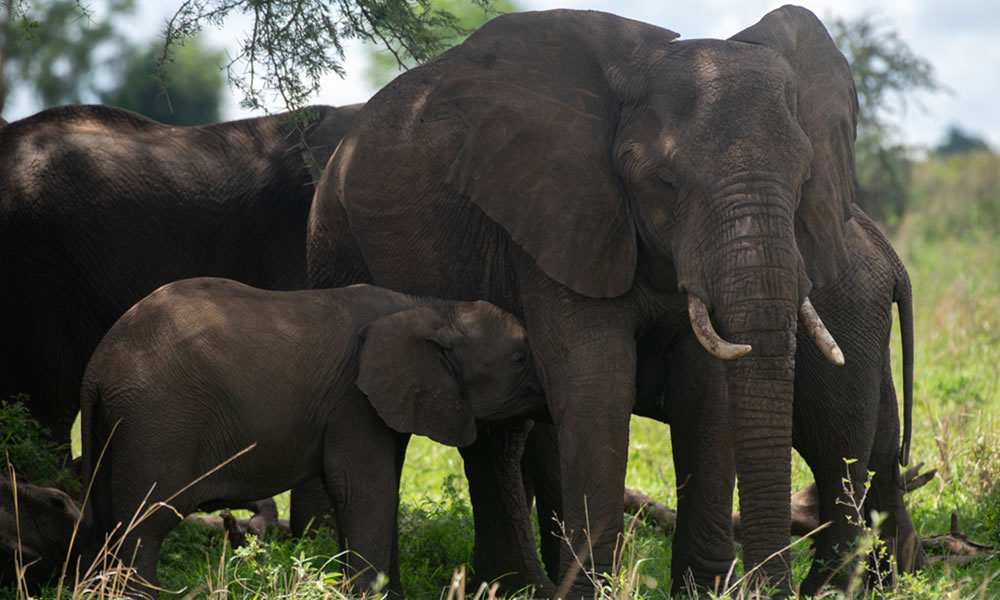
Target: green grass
(949, 242)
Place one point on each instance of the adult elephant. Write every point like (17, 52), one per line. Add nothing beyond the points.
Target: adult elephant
(99, 206)
(840, 413)
(592, 175)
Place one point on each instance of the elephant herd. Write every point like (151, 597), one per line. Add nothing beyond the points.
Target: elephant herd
(669, 223)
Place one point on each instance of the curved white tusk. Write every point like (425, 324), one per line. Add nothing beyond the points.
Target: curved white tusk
(710, 340)
(820, 334)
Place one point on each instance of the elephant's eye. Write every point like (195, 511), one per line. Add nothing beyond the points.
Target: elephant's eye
(668, 179)
(518, 357)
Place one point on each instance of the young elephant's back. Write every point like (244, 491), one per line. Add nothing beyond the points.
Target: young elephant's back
(218, 328)
(202, 368)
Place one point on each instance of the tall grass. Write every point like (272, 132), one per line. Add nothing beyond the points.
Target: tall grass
(949, 241)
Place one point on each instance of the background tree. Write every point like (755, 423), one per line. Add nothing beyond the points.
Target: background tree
(293, 43)
(886, 74)
(194, 88)
(385, 64)
(55, 49)
(957, 141)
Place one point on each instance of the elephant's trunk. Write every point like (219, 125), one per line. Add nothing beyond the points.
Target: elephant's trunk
(753, 290)
(761, 392)
(763, 459)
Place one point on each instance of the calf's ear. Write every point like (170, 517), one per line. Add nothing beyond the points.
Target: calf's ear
(409, 381)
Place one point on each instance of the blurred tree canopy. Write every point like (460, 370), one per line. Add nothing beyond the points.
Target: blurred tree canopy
(293, 43)
(887, 74)
(958, 141)
(54, 48)
(385, 64)
(194, 90)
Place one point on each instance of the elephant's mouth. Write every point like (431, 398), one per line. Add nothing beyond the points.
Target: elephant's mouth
(720, 348)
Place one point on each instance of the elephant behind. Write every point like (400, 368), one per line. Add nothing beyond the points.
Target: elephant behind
(99, 206)
(327, 383)
(845, 413)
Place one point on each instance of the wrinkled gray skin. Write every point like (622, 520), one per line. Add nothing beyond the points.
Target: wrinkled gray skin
(593, 175)
(327, 383)
(44, 529)
(839, 412)
(99, 206)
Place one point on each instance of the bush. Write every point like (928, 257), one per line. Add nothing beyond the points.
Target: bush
(26, 445)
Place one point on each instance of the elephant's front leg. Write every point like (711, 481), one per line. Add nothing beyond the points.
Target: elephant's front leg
(362, 462)
(702, 437)
(585, 352)
(505, 548)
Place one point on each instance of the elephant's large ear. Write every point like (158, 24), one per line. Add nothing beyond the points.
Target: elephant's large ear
(828, 109)
(539, 112)
(407, 378)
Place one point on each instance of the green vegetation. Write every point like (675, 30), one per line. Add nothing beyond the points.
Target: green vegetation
(949, 241)
(387, 62)
(24, 444)
(887, 75)
(293, 44)
(56, 50)
(67, 52)
(192, 94)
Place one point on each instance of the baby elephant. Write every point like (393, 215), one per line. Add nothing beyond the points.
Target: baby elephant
(326, 383)
(36, 526)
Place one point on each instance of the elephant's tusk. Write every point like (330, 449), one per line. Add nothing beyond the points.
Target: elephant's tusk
(820, 334)
(710, 340)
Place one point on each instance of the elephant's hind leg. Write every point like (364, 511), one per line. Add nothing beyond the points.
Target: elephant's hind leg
(886, 493)
(142, 524)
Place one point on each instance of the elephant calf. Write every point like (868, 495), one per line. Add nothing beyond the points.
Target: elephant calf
(326, 383)
(38, 526)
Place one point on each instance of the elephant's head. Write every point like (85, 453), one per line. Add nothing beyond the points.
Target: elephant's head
(436, 368)
(39, 537)
(720, 169)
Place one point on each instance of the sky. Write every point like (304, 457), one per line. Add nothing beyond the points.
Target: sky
(960, 38)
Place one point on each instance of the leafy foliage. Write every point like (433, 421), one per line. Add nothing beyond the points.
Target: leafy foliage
(55, 48)
(886, 74)
(957, 141)
(957, 197)
(886, 71)
(949, 241)
(293, 43)
(194, 90)
(385, 64)
(26, 445)
(437, 535)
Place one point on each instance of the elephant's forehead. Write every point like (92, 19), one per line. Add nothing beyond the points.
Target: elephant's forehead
(721, 67)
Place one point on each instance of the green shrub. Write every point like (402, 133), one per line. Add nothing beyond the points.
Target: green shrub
(25, 444)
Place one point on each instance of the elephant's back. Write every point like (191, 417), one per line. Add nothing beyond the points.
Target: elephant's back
(216, 341)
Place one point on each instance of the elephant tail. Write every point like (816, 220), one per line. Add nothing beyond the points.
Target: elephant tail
(96, 472)
(903, 297)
